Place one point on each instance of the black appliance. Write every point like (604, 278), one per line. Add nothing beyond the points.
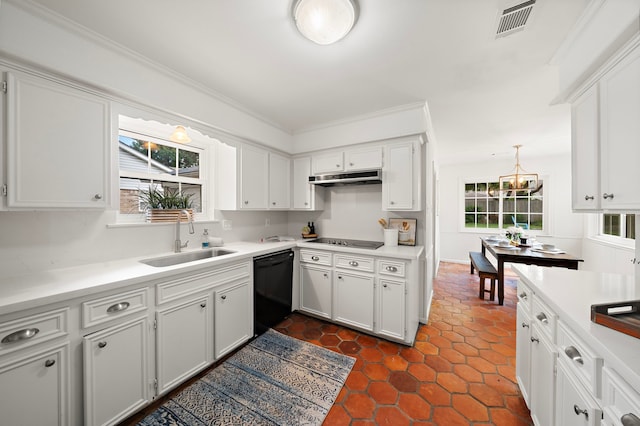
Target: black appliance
(272, 282)
(371, 245)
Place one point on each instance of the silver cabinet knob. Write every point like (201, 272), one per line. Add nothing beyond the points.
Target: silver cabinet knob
(97, 197)
(315, 258)
(353, 263)
(351, 164)
(525, 325)
(20, 335)
(118, 307)
(49, 363)
(579, 411)
(607, 196)
(223, 297)
(574, 354)
(246, 202)
(273, 203)
(306, 204)
(523, 296)
(588, 197)
(384, 285)
(535, 340)
(203, 305)
(391, 269)
(338, 166)
(392, 203)
(102, 345)
(326, 275)
(542, 318)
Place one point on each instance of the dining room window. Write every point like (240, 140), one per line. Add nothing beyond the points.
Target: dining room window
(618, 225)
(486, 207)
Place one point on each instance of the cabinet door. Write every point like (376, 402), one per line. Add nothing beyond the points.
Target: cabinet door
(620, 133)
(327, 163)
(391, 309)
(575, 407)
(523, 353)
(49, 128)
(353, 300)
(279, 182)
(233, 317)
(301, 187)
(543, 358)
(115, 372)
(184, 341)
(315, 290)
(361, 159)
(398, 177)
(254, 182)
(35, 388)
(585, 167)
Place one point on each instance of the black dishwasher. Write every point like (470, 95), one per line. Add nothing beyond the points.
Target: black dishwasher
(272, 283)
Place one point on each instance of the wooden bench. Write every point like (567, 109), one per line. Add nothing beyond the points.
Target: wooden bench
(485, 270)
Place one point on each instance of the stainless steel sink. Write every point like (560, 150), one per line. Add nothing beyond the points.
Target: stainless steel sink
(176, 259)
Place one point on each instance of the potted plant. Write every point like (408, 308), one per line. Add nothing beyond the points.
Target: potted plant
(165, 204)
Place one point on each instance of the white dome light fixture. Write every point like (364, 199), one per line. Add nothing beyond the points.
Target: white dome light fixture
(325, 21)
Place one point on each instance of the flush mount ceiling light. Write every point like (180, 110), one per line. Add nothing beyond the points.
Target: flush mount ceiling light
(519, 180)
(180, 135)
(325, 21)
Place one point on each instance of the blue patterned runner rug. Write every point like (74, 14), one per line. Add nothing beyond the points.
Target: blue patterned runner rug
(274, 380)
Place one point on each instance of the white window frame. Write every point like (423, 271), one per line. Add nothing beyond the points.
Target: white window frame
(615, 239)
(545, 209)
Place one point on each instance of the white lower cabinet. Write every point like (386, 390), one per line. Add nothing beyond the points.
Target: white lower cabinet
(621, 402)
(543, 359)
(523, 351)
(233, 324)
(574, 407)
(315, 290)
(184, 340)
(353, 300)
(391, 318)
(35, 388)
(115, 372)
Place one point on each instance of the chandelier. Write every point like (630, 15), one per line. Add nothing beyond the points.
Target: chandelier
(520, 180)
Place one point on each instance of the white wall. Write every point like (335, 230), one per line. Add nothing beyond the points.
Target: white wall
(565, 227)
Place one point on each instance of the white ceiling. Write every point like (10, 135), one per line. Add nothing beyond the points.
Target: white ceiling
(484, 94)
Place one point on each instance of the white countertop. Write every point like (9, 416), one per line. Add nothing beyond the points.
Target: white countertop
(571, 293)
(57, 285)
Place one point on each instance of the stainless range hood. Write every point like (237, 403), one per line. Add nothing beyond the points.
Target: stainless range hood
(363, 177)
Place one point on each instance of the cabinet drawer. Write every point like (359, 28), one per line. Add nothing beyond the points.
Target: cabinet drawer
(194, 283)
(583, 362)
(525, 296)
(619, 399)
(545, 318)
(317, 257)
(104, 309)
(356, 263)
(31, 330)
(392, 268)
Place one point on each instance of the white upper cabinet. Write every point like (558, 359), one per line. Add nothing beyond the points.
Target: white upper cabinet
(327, 163)
(254, 166)
(605, 132)
(279, 182)
(401, 177)
(362, 159)
(57, 145)
(305, 195)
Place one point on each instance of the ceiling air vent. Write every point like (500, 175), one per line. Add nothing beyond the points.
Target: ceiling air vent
(514, 18)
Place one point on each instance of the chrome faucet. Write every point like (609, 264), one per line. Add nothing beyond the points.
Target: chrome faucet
(178, 246)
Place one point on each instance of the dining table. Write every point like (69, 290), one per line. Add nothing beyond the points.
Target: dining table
(530, 255)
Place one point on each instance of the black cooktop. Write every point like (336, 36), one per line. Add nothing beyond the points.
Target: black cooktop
(372, 245)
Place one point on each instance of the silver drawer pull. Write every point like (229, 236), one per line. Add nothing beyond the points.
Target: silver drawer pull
(315, 258)
(574, 354)
(588, 197)
(118, 307)
(630, 420)
(102, 344)
(523, 295)
(607, 196)
(391, 269)
(49, 363)
(536, 340)
(353, 263)
(542, 318)
(20, 335)
(525, 325)
(578, 411)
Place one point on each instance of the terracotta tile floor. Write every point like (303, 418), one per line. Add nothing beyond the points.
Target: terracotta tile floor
(461, 370)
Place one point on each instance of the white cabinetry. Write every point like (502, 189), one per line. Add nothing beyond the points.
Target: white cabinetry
(391, 317)
(305, 195)
(353, 299)
(115, 372)
(604, 124)
(326, 163)
(621, 402)
(315, 290)
(184, 340)
(349, 160)
(543, 357)
(574, 406)
(401, 177)
(233, 317)
(48, 125)
(523, 352)
(254, 182)
(279, 182)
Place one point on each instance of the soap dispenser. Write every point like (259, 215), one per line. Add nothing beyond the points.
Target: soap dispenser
(205, 239)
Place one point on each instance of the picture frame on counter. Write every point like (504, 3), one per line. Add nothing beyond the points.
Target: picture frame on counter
(406, 230)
